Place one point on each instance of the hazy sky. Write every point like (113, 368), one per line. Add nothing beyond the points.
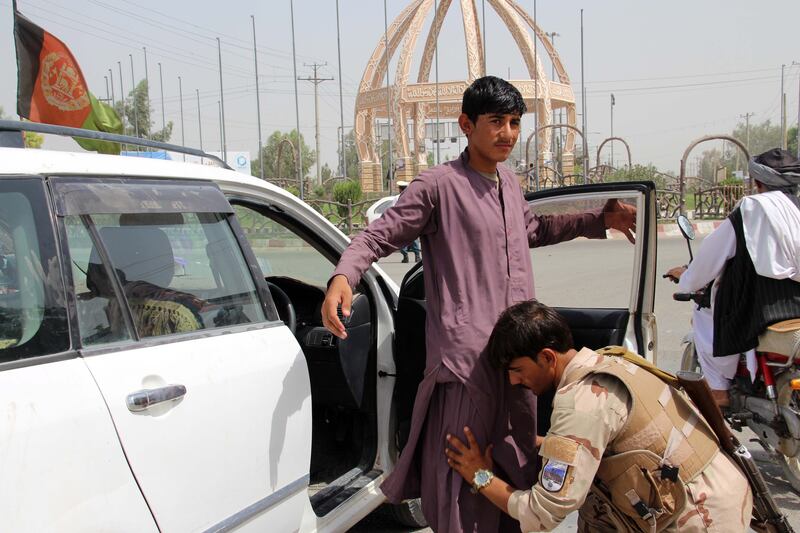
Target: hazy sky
(678, 69)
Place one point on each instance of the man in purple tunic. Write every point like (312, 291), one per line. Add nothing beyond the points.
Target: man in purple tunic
(476, 230)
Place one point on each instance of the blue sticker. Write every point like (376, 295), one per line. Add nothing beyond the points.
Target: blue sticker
(553, 475)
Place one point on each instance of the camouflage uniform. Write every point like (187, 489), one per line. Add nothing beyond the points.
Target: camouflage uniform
(594, 420)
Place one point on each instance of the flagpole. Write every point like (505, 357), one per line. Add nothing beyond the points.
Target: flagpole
(258, 99)
(222, 104)
(180, 96)
(163, 119)
(199, 122)
(135, 106)
(147, 82)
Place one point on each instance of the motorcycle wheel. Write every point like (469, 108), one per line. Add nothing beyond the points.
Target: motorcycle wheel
(790, 465)
(689, 360)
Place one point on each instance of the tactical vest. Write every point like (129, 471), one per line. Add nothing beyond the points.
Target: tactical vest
(663, 445)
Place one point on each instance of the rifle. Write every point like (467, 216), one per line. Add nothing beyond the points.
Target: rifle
(766, 514)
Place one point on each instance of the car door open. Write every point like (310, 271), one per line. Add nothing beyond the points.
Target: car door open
(604, 288)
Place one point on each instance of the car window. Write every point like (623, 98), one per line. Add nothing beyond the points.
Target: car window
(176, 272)
(32, 312)
(281, 251)
(580, 278)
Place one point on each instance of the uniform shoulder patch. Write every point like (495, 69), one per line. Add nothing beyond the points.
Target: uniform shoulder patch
(554, 473)
(558, 448)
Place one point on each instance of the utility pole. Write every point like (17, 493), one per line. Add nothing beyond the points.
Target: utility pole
(556, 117)
(341, 102)
(316, 80)
(163, 115)
(180, 98)
(135, 106)
(436, 88)
(388, 97)
(199, 120)
(147, 82)
(783, 111)
(258, 101)
(612, 128)
(798, 110)
(111, 78)
(224, 149)
(585, 159)
(299, 147)
(746, 118)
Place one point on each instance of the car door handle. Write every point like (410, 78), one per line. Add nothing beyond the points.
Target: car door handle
(143, 399)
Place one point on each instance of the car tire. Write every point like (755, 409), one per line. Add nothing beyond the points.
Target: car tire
(409, 513)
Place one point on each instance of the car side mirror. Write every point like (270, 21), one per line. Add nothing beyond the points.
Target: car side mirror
(686, 227)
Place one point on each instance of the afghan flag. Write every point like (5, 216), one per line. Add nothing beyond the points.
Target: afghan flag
(51, 87)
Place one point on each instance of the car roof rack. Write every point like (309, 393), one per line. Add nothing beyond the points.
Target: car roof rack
(64, 131)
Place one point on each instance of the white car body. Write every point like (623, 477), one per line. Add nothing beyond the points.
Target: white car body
(233, 451)
(377, 209)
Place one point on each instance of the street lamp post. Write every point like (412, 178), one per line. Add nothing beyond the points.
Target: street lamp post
(798, 110)
(612, 129)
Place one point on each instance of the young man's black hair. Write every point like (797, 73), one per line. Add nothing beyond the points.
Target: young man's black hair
(525, 329)
(492, 95)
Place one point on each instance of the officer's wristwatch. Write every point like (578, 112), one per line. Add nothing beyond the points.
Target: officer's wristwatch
(481, 480)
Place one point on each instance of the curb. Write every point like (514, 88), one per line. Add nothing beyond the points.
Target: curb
(702, 228)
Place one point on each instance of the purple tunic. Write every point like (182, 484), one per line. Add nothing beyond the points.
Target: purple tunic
(475, 243)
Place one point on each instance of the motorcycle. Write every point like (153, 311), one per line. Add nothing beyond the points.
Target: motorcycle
(769, 403)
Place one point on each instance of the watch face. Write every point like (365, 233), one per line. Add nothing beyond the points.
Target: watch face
(481, 477)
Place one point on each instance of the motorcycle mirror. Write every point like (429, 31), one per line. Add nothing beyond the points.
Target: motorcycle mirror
(686, 227)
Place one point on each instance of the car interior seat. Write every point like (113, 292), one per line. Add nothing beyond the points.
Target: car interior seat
(143, 259)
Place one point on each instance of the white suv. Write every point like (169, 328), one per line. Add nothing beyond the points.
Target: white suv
(153, 379)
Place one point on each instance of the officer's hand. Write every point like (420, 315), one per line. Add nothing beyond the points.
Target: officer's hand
(466, 459)
(339, 293)
(621, 217)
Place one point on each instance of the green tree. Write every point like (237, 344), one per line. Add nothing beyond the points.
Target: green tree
(344, 191)
(286, 165)
(641, 173)
(141, 115)
(792, 140)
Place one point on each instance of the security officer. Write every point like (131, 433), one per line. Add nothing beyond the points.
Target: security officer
(628, 451)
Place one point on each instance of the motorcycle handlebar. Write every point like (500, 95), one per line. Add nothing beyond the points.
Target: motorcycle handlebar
(684, 296)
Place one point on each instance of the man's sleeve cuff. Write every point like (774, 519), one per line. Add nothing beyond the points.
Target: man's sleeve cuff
(350, 274)
(513, 504)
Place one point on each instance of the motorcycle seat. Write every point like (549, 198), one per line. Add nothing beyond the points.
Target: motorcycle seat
(781, 338)
(785, 326)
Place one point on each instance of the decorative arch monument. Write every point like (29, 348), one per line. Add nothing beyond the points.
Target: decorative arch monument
(414, 102)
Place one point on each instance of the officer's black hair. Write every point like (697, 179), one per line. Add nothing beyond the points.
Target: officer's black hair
(491, 95)
(524, 330)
